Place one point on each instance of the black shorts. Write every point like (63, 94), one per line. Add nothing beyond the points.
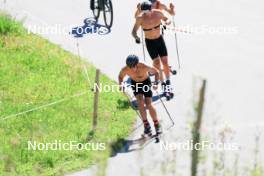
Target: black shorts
(142, 87)
(156, 47)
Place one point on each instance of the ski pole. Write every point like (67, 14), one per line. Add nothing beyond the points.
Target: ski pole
(163, 104)
(143, 48)
(130, 99)
(176, 43)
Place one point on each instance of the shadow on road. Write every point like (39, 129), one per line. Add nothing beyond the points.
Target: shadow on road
(126, 146)
(90, 26)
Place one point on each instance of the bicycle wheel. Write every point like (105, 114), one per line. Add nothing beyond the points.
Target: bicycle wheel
(95, 8)
(108, 13)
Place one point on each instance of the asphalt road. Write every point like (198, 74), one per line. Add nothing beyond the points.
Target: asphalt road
(231, 63)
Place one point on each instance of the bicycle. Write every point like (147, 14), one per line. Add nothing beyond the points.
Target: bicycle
(103, 5)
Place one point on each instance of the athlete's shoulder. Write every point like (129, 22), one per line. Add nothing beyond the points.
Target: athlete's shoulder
(159, 5)
(158, 12)
(139, 19)
(144, 64)
(124, 69)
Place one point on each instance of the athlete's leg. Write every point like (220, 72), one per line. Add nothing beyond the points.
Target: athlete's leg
(141, 106)
(152, 110)
(152, 47)
(143, 113)
(157, 65)
(163, 53)
(166, 68)
(153, 114)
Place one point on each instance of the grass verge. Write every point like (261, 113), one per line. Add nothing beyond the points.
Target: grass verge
(34, 72)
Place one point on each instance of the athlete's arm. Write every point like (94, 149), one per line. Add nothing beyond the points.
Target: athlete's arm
(135, 29)
(153, 71)
(169, 10)
(165, 19)
(121, 75)
(137, 13)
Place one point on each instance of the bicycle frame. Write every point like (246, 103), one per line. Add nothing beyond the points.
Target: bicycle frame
(101, 4)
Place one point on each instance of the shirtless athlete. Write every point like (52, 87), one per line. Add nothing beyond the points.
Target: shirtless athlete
(141, 86)
(150, 22)
(156, 5)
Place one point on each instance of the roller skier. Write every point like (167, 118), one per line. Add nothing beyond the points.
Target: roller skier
(141, 86)
(150, 21)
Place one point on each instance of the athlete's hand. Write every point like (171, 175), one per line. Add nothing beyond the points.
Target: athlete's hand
(172, 9)
(138, 40)
(168, 22)
(171, 6)
(138, 7)
(155, 87)
(122, 88)
(164, 27)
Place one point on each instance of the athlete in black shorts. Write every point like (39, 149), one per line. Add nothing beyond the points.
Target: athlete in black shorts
(141, 86)
(150, 22)
(156, 47)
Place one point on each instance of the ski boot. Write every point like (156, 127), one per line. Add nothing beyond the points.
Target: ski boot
(158, 129)
(147, 131)
(164, 90)
(158, 132)
(167, 90)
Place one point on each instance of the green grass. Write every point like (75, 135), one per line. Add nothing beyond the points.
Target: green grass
(7, 25)
(34, 72)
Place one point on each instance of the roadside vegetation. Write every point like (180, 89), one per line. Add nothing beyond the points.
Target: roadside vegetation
(33, 73)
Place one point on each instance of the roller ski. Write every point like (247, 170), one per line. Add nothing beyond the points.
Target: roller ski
(147, 135)
(167, 90)
(147, 131)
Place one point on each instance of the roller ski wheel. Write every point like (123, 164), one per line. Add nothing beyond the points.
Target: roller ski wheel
(173, 72)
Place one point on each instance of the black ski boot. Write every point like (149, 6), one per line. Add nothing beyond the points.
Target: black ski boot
(158, 133)
(164, 90)
(158, 129)
(147, 130)
(168, 90)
